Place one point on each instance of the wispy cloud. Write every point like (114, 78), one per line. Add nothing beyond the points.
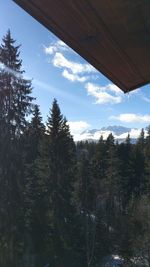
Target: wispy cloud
(62, 57)
(56, 47)
(74, 71)
(109, 94)
(60, 61)
(134, 133)
(74, 77)
(131, 117)
(146, 99)
(54, 91)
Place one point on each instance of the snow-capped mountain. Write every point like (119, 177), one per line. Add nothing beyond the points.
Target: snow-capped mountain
(119, 132)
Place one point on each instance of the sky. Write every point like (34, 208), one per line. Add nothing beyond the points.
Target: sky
(87, 98)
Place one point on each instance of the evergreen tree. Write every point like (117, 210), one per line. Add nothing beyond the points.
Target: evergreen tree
(100, 160)
(139, 182)
(112, 192)
(33, 134)
(56, 208)
(126, 172)
(15, 105)
(100, 171)
(84, 197)
(14, 90)
(147, 162)
(60, 175)
(32, 139)
(113, 178)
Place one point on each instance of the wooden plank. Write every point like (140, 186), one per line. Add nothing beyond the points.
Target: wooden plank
(113, 36)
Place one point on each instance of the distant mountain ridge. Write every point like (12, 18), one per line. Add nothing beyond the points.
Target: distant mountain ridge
(116, 129)
(120, 133)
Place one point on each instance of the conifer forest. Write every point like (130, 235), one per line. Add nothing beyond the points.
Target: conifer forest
(66, 204)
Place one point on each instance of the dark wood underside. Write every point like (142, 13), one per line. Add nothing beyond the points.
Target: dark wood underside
(112, 35)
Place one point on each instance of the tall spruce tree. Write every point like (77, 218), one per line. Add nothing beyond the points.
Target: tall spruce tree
(100, 170)
(33, 135)
(147, 161)
(59, 165)
(32, 139)
(84, 197)
(112, 187)
(14, 90)
(126, 172)
(15, 105)
(139, 181)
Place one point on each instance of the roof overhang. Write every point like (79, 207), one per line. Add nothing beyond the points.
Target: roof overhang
(113, 36)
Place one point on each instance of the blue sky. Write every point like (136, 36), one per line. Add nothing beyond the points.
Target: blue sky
(86, 97)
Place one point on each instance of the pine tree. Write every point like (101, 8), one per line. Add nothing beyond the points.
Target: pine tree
(147, 162)
(14, 90)
(59, 170)
(99, 167)
(15, 105)
(139, 182)
(32, 139)
(84, 197)
(126, 172)
(33, 134)
(112, 190)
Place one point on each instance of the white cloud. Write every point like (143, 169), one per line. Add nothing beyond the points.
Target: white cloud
(60, 61)
(56, 47)
(134, 133)
(71, 70)
(74, 77)
(131, 117)
(105, 94)
(98, 134)
(62, 44)
(76, 127)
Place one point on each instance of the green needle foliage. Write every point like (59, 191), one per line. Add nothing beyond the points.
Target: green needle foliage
(15, 106)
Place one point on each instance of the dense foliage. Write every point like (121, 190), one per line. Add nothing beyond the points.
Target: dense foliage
(61, 203)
